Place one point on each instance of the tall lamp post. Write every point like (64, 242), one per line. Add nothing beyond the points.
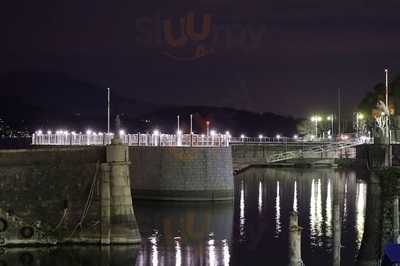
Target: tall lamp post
(316, 119)
(359, 117)
(331, 118)
(387, 103)
(191, 124)
(108, 110)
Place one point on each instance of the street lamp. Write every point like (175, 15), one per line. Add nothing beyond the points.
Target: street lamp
(316, 119)
(331, 118)
(359, 117)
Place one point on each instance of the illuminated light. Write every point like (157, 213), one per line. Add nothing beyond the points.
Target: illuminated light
(260, 136)
(202, 135)
(73, 133)
(312, 137)
(39, 132)
(100, 134)
(227, 134)
(94, 134)
(88, 132)
(66, 133)
(242, 136)
(179, 132)
(360, 116)
(49, 132)
(316, 118)
(156, 132)
(213, 133)
(278, 136)
(122, 132)
(295, 136)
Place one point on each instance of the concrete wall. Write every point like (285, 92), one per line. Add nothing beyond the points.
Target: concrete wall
(181, 173)
(43, 192)
(37, 186)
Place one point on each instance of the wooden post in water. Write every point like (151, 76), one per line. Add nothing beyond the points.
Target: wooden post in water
(337, 220)
(396, 222)
(294, 240)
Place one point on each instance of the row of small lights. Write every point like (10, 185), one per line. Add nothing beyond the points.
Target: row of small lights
(155, 133)
(317, 118)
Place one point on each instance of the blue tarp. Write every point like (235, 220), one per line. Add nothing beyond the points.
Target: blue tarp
(392, 252)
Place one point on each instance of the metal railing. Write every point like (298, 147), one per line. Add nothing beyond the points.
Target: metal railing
(318, 149)
(173, 140)
(184, 140)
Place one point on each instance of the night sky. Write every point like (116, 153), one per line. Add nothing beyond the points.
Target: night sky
(287, 57)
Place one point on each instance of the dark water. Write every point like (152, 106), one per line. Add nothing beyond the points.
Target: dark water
(252, 230)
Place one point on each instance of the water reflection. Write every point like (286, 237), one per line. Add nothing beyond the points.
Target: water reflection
(311, 193)
(295, 197)
(252, 230)
(185, 233)
(360, 211)
(278, 211)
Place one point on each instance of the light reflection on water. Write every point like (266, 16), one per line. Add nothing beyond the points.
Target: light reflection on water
(251, 230)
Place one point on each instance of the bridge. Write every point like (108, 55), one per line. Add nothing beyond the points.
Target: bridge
(291, 148)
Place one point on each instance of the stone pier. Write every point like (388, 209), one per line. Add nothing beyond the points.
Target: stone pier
(118, 219)
(67, 195)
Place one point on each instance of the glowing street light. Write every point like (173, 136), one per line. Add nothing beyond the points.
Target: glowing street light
(278, 137)
(316, 119)
(359, 117)
(295, 136)
(331, 118)
(156, 132)
(213, 133)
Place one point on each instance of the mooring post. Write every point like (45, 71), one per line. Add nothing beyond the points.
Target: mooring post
(294, 240)
(396, 222)
(337, 219)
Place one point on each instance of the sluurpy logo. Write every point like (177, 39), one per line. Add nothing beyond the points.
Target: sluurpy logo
(192, 36)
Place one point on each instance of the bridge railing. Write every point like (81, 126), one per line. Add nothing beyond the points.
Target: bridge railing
(74, 139)
(196, 140)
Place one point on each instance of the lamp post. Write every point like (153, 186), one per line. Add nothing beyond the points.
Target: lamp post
(191, 124)
(331, 118)
(316, 119)
(387, 103)
(359, 117)
(208, 128)
(178, 128)
(108, 110)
